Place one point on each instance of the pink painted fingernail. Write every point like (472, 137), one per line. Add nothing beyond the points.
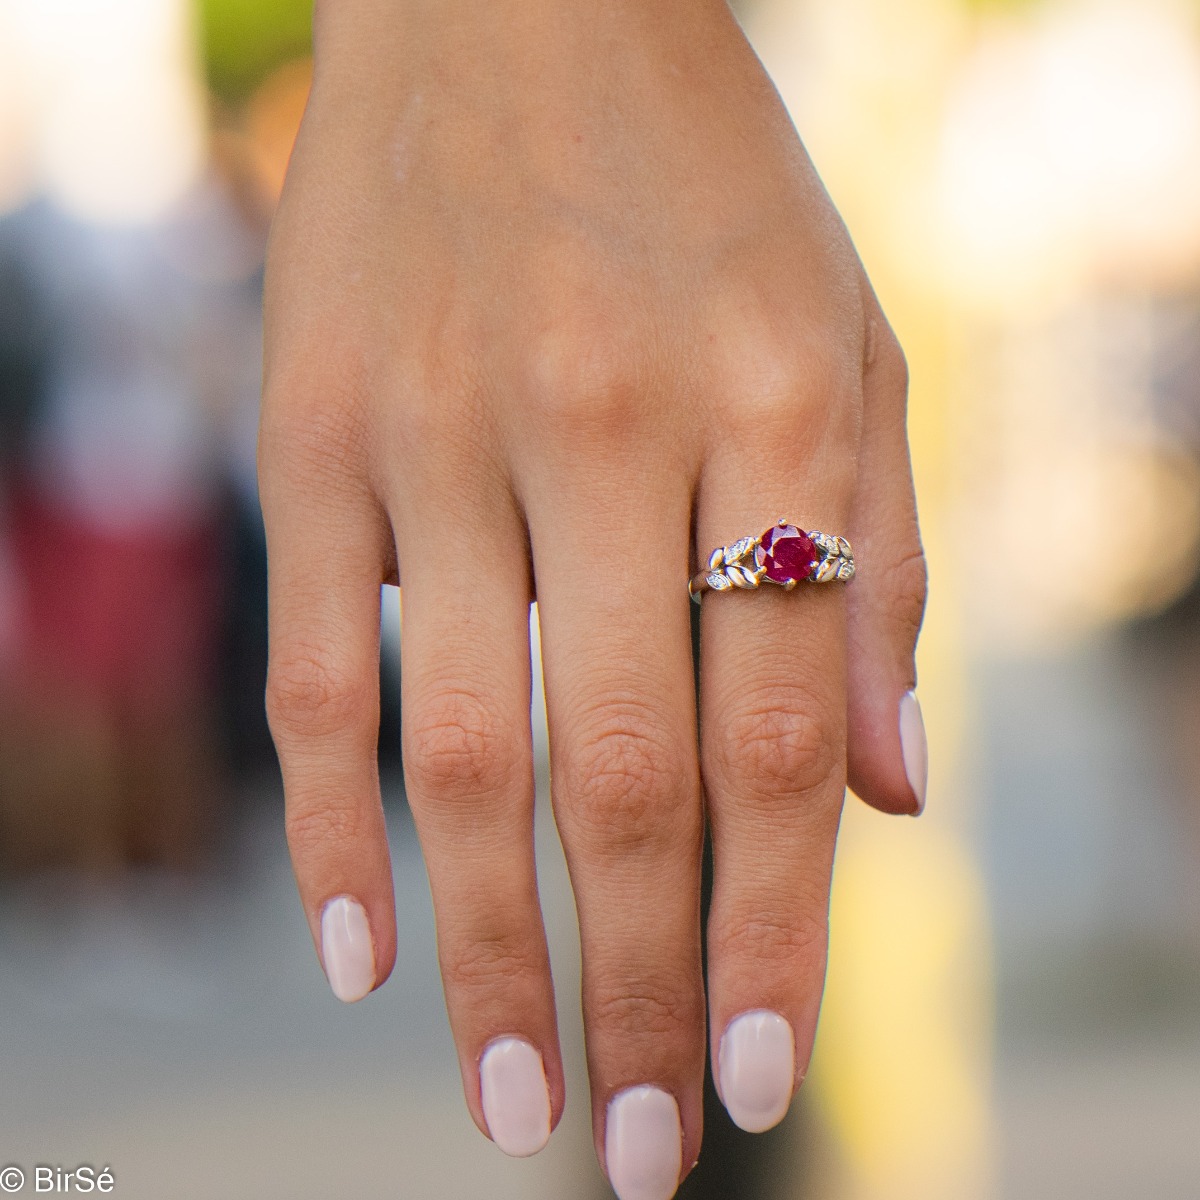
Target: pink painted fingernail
(516, 1100)
(914, 747)
(346, 949)
(757, 1067)
(643, 1144)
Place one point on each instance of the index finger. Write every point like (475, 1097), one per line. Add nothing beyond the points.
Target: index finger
(327, 550)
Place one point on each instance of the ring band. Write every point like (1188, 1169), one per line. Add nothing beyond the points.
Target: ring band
(785, 555)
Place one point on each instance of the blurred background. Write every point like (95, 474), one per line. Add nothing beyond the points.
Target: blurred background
(1014, 996)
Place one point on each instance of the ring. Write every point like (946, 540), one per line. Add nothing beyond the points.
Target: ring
(784, 554)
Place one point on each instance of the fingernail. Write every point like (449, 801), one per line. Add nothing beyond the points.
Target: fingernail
(516, 1100)
(643, 1144)
(346, 949)
(914, 747)
(757, 1064)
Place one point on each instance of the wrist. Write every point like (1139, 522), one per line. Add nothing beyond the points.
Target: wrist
(378, 30)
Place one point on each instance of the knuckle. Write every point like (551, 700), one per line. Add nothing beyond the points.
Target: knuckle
(625, 784)
(806, 400)
(888, 359)
(788, 380)
(314, 434)
(310, 694)
(490, 963)
(584, 381)
(446, 395)
(896, 363)
(312, 830)
(907, 590)
(773, 939)
(460, 747)
(779, 744)
(660, 1009)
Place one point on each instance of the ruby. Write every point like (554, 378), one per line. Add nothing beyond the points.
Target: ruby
(787, 553)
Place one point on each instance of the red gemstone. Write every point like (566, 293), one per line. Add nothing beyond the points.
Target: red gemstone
(788, 554)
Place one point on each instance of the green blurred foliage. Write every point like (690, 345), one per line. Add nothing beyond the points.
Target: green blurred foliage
(244, 40)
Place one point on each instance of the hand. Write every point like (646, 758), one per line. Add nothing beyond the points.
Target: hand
(556, 303)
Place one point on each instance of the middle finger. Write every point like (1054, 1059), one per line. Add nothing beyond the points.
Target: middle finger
(620, 695)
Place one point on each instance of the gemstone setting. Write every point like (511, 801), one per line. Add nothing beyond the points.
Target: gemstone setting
(786, 555)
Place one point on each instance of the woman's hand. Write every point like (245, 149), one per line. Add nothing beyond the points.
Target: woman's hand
(555, 304)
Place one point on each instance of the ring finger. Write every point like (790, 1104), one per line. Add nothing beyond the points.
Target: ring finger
(773, 717)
